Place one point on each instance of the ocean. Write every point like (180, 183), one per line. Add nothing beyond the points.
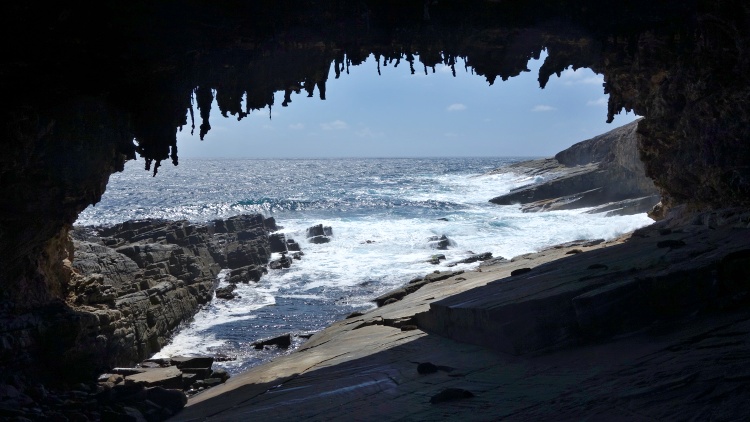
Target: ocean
(382, 212)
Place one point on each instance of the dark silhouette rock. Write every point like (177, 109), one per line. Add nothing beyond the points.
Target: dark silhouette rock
(282, 342)
(277, 242)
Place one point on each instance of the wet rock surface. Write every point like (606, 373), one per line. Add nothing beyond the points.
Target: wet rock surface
(604, 173)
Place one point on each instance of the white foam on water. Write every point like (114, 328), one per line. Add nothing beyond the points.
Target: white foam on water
(195, 337)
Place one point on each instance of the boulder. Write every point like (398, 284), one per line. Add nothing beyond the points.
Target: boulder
(435, 259)
(283, 262)
(246, 274)
(319, 239)
(283, 342)
(226, 292)
(277, 242)
(319, 234)
(292, 246)
(440, 242)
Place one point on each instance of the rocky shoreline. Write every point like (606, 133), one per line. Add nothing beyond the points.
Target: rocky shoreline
(131, 286)
(653, 325)
(604, 173)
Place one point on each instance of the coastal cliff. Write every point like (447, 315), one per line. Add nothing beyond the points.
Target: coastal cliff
(604, 173)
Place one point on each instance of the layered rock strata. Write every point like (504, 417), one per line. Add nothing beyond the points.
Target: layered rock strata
(131, 285)
(604, 173)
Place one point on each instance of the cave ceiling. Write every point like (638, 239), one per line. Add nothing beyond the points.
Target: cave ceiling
(89, 85)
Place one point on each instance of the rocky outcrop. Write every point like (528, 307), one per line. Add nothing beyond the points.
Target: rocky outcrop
(131, 285)
(604, 173)
(319, 234)
(441, 242)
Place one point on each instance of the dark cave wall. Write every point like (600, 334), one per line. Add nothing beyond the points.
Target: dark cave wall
(56, 166)
(86, 81)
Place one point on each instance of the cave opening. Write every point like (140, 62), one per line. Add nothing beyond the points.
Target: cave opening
(382, 110)
(87, 81)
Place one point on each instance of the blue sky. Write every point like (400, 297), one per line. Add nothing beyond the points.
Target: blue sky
(399, 114)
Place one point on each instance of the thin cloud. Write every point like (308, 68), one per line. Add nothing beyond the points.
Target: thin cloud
(456, 107)
(601, 102)
(451, 135)
(581, 77)
(334, 125)
(542, 108)
(297, 126)
(368, 133)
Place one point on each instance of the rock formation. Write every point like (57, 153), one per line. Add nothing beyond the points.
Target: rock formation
(131, 285)
(604, 172)
(89, 87)
(319, 234)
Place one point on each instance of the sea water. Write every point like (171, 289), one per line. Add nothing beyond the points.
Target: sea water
(382, 212)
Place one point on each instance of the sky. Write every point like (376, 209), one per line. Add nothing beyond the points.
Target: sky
(398, 114)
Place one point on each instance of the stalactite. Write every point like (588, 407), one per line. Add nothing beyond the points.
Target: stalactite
(204, 97)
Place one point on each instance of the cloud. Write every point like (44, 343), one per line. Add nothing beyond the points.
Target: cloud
(334, 125)
(368, 133)
(542, 108)
(601, 102)
(456, 107)
(297, 126)
(581, 76)
(451, 135)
